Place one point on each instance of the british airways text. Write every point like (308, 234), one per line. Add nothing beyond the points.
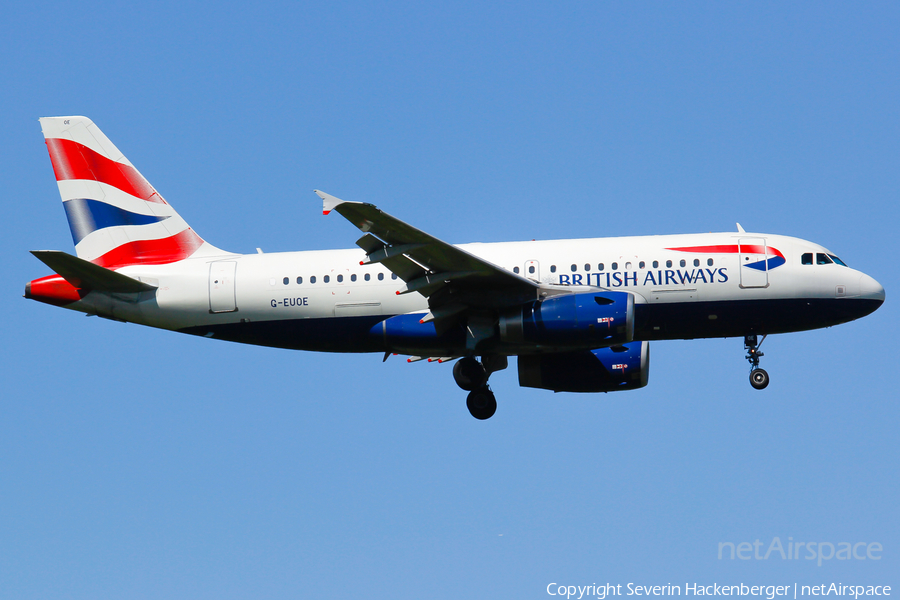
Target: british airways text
(614, 279)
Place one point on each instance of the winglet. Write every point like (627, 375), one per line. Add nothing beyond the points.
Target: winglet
(740, 229)
(329, 202)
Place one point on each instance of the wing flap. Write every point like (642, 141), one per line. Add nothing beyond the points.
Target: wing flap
(428, 284)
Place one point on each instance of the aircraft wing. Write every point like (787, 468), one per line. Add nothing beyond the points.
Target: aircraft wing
(452, 279)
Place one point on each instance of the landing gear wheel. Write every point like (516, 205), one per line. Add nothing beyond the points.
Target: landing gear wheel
(759, 379)
(481, 403)
(469, 374)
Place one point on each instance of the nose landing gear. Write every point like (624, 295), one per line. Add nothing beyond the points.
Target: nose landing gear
(759, 379)
(472, 376)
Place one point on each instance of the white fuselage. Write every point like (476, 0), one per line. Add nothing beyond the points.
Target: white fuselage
(234, 289)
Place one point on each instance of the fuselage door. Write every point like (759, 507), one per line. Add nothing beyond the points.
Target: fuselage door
(754, 266)
(532, 270)
(221, 286)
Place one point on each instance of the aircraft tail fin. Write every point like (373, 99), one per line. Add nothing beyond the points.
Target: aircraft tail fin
(116, 217)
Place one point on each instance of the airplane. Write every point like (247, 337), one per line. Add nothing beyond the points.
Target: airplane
(578, 314)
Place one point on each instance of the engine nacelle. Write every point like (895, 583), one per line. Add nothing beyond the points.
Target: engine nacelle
(585, 320)
(625, 367)
(408, 335)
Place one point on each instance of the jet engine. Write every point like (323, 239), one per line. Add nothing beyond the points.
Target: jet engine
(580, 320)
(409, 335)
(624, 367)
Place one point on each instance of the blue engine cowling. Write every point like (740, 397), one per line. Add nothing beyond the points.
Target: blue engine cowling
(408, 335)
(624, 367)
(585, 320)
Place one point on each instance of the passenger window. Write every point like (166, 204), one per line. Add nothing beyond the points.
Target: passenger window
(553, 268)
(574, 268)
(516, 270)
(312, 279)
(641, 264)
(682, 263)
(615, 266)
(806, 259)
(326, 279)
(696, 262)
(822, 259)
(531, 269)
(628, 266)
(668, 264)
(353, 277)
(367, 277)
(299, 280)
(340, 278)
(709, 262)
(587, 267)
(393, 276)
(600, 267)
(286, 281)
(655, 264)
(381, 277)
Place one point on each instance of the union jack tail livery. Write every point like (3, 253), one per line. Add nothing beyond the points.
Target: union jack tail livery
(116, 217)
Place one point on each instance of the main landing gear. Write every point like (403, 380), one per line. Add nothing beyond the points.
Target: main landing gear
(472, 376)
(759, 379)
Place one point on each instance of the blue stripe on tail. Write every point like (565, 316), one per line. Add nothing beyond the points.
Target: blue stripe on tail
(86, 216)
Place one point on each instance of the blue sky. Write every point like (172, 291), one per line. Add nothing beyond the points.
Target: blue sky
(143, 464)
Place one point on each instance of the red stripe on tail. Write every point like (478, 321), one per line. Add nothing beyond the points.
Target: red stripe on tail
(152, 252)
(72, 160)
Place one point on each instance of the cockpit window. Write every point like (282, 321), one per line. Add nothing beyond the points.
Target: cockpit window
(837, 260)
(822, 259)
(806, 259)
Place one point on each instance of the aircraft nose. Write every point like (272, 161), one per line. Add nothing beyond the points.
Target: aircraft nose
(870, 289)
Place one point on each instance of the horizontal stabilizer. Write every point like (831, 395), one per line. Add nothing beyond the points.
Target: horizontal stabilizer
(86, 275)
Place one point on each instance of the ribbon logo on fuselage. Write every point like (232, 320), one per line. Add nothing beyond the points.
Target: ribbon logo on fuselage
(773, 257)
